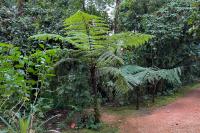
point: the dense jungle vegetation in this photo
(62, 60)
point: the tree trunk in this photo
(34, 2)
(20, 5)
(154, 91)
(83, 5)
(116, 17)
(153, 95)
(145, 8)
(137, 99)
(94, 88)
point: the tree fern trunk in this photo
(94, 88)
(137, 99)
(153, 95)
(154, 91)
(160, 86)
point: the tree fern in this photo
(89, 34)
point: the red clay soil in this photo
(182, 116)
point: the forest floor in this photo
(179, 116)
(177, 113)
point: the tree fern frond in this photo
(6, 45)
(118, 78)
(65, 66)
(132, 69)
(65, 61)
(143, 75)
(47, 37)
(109, 59)
(129, 39)
(85, 30)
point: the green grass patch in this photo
(148, 105)
(103, 129)
(164, 100)
(121, 111)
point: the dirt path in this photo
(182, 116)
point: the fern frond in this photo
(66, 66)
(87, 31)
(65, 61)
(109, 59)
(129, 39)
(47, 37)
(6, 45)
(132, 69)
(143, 75)
(118, 78)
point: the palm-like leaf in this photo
(87, 31)
(46, 37)
(109, 59)
(129, 39)
(120, 81)
(143, 75)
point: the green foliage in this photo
(46, 37)
(138, 76)
(41, 16)
(130, 39)
(24, 124)
(12, 76)
(15, 122)
(73, 66)
(128, 78)
(121, 84)
(194, 21)
(131, 12)
(168, 22)
(72, 89)
(18, 86)
(172, 46)
(109, 59)
(18, 122)
(89, 34)
(104, 128)
(39, 72)
(86, 31)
